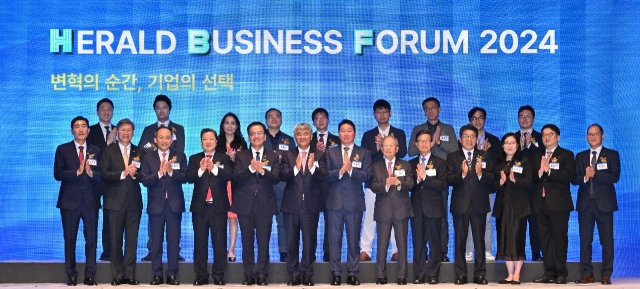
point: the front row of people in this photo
(404, 190)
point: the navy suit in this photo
(148, 134)
(470, 203)
(123, 201)
(535, 148)
(165, 205)
(345, 204)
(392, 209)
(330, 140)
(426, 199)
(597, 208)
(301, 206)
(284, 144)
(369, 142)
(210, 216)
(78, 199)
(254, 200)
(553, 210)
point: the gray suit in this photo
(441, 151)
(393, 208)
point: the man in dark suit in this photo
(529, 140)
(76, 167)
(553, 204)
(279, 142)
(372, 141)
(209, 172)
(597, 170)
(301, 205)
(347, 167)
(255, 172)
(120, 172)
(443, 142)
(470, 172)
(163, 173)
(322, 140)
(392, 178)
(426, 200)
(102, 135)
(162, 106)
(490, 144)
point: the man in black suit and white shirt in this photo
(553, 204)
(597, 172)
(426, 199)
(470, 172)
(255, 172)
(209, 172)
(531, 147)
(322, 140)
(120, 172)
(102, 135)
(301, 205)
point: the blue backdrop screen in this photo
(574, 61)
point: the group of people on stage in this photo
(296, 178)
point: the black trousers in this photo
(553, 227)
(426, 229)
(124, 223)
(306, 223)
(208, 222)
(255, 227)
(461, 227)
(70, 224)
(401, 229)
(587, 220)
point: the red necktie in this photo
(81, 155)
(209, 197)
(548, 156)
(389, 170)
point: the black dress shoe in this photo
(419, 280)
(261, 281)
(433, 280)
(283, 257)
(325, 258)
(480, 280)
(308, 282)
(90, 281)
(220, 281)
(72, 281)
(514, 282)
(146, 258)
(545, 279)
(201, 281)
(157, 280)
(504, 281)
(248, 281)
(382, 281)
(295, 281)
(461, 280)
(105, 257)
(445, 259)
(336, 280)
(353, 280)
(172, 280)
(116, 282)
(561, 280)
(130, 281)
(402, 281)
(180, 258)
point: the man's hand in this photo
(465, 168)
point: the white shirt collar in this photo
(168, 152)
(597, 150)
(384, 132)
(166, 123)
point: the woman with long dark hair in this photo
(512, 206)
(230, 142)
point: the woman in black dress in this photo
(512, 206)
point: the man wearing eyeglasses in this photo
(279, 142)
(529, 140)
(255, 171)
(553, 204)
(491, 145)
(597, 170)
(443, 142)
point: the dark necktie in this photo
(257, 159)
(594, 160)
(469, 160)
(106, 128)
(321, 140)
(209, 198)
